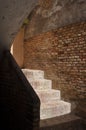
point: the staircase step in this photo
(51, 103)
(33, 74)
(48, 95)
(41, 84)
(54, 109)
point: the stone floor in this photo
(65, 122)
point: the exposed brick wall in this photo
(61, 54)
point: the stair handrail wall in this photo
(19, 104)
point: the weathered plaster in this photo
(51, 14)
(12, 15)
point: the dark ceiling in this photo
(12, 15)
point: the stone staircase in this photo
(51, 103)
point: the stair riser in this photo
(41, 84)
(46, 96)
(54, 112)
(33, 74)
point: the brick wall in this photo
(61, 53)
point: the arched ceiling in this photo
(51, 14)
(46, 15)
(12, 15)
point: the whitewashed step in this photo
(54, 109)
(41, 84)
(51, 103)
(48, 95)
(33, 74)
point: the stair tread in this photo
(54, 104)
(48, 91)
(31, 70)
(40, 80)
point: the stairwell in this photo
(51, 103)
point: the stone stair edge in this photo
(37, 79)
(33, 70)
(57, 101)
(50, 90)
